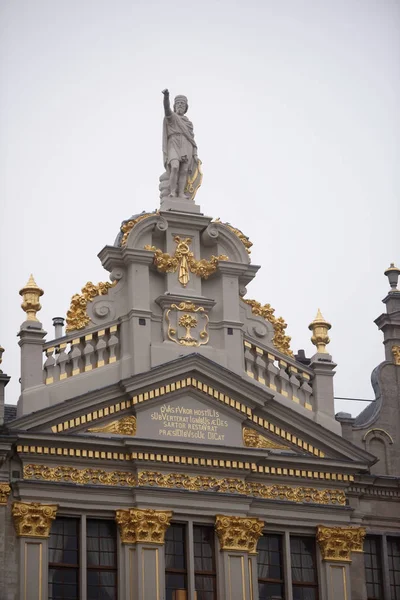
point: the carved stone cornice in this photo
(5, 490)
(238, 533)
(337, 543)
(32, 519)
(143, 526)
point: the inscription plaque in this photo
(189, 420)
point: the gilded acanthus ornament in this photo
(79, 476)
(337, 543)
(127, 226)
(32, 519)
(124, 426)
(243, 238)
(280, 340)
(143, 526)
(77, 317)
(233, 485)
(238, 533)
(320, 328)
(182, 481)
(396, 354)
(253, 439)
(188, 321)
(30, 294)
(184, 262)
(5, 491)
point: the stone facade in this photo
(174, 403)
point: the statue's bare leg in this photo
(183, 175)
(173, 178)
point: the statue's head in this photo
(181, 105)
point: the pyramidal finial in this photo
(31, 293)
(320, 328)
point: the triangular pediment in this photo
(191, 389)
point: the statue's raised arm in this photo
(183, 175)
(167, 105)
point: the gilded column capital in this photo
(337, 543)
(238, 533)
(32, 519)
(5, 490)
(143, 526)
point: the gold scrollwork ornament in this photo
(396, 355)
(184, 262)
(238, 533)
(337, 543)
(253, 439)
(33, 519)
(5, 490)
(124, 426)
(189, 322)
(143, 526)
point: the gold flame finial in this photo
(320, 328)
(30, 294)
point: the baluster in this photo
(49, 366)
(295, 383)
(101, 348)
(112, 344)
(259, 366)
(88, 352)
(75, 355)
(283, 379)
(62, 360)
(272, 372)
(306, 390)
(248, 359)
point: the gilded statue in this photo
(182, 175)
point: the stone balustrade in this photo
(278, 374)
(74, 354)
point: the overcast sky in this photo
(295, 106)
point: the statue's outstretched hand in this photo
(165, 92)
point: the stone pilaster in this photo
(31, 337)
(238, 537)
(337, 545)
(142, 533)
(32, 523)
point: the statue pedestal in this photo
(179, 205)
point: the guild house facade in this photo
(169, 445)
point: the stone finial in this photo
(238, 533)
(31, 294)
(1, 356)
(392, 273)
(143, 526)
(32, 519)
(337, 543)
(320, 328)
